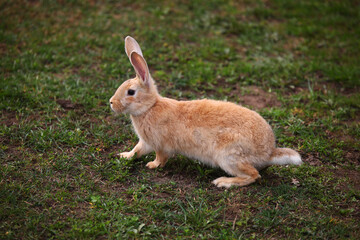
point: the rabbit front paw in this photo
(127, 155)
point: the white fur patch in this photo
(287, 159)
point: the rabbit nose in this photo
(111, 103)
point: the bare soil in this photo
(258, 99)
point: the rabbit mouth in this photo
(116, 106)
(117, 110)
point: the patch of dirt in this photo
(353, 122)
(312, 159)
(239, 49)
(293, 43)
(68, 105)
(353, 156)
(258, 98)
(9, 118)
(352, 178)
(337, 87)
(184, 181)
(3, 48)
(324, 87)
(351, 151)
(268, 178)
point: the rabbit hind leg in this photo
(245, 175)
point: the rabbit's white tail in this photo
(284, 156)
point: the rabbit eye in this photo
(131, 92)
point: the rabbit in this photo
(217, 133)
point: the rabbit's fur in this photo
(220, 134)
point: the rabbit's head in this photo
(135, 96)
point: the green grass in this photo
(296, 63)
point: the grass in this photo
(296, 63)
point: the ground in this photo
(296, 63)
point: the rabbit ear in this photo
(140, 66)
(131, 45)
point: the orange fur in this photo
(220, 134)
